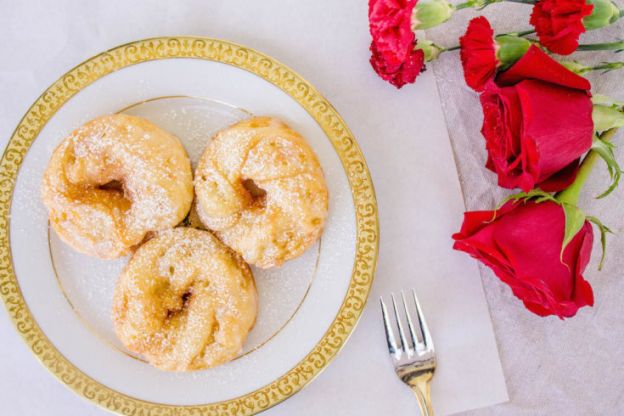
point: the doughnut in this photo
(260, 188)
(185, 301)
(114, 180)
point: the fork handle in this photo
(420, 387)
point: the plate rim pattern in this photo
(273, 71)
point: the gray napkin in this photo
(551, 366)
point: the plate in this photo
(60, 300)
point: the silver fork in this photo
(414, 360)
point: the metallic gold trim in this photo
(165, 97)
(367, 223)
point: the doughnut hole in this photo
(115, 187)
(258, 195)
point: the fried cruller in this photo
(185, 301)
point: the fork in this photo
(414, 361)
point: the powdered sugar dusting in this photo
(193, 120)
(112, 181)
(89, 283)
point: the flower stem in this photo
(572, 193)
(482, 4)
(579, 68)
(523, 33)
(465, 5)
(607, 66)
(614, 46)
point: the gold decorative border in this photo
(306, 95)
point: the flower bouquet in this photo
(543, 127)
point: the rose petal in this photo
(535, 64)
(558, 121)
(560, 180)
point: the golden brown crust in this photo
(260, 188)
(112, 181)
(185, 301)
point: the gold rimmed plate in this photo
(60, 300)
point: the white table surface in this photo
(402, 134)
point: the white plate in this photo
(60, 300)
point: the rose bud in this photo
(393, 55)
(521, 242)
(604, 14)
(482, 53)
(430, 13)
(559, 23)
(537, 123)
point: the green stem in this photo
(614, 46)
(524, 32)
(572, 193)
(581, 69)
(481, 4)
(465, 5)
(607, 66)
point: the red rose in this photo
(393, 55)
(521, 243)
(537, 123)
(559, 23)
(478, 53)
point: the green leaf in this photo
(574, 220)
(607, 101)
(606, 117)
(605, 151)
(603, 237)
(537, 194)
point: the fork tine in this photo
(404, 344)
(423, 324)
(410, 325)
(390, 338)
